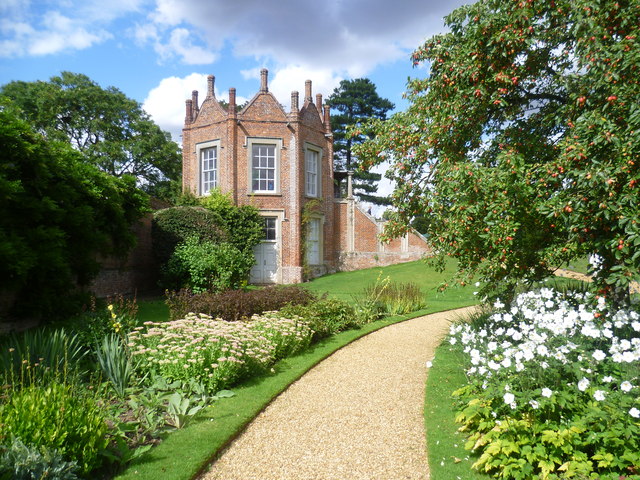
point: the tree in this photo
(356, 101)
(57, 214)
(111, 131)
(522, 144)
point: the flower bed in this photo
(214, 352)
(554, 388)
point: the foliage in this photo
(356, 101)
(54, 352)
(242, 224)
(57, 416)
(115, 362)
(172, 226)
(235, 305)
(213, 219)
(57, 214)
(111, 131)
(395, 298)
(521, 145)
(324, 316)
(21, 462)
(218, 353)
(204, 266)
(554, 388)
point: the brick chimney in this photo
(188, 117)
(194, 103)
(210, 86)
(307, 91)
(264, 80)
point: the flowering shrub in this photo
(215, 352)
(554, 388)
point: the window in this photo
(264, 165)
(269, 229)
(206, 161)
(263, 168)
(314, 231)
(208, 169)
(311, 162)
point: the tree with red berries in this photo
(522, 145)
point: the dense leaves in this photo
(57, 213)
(111, 130)
(523, 143)
(356, 101)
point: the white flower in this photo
(599, 395)
(583, 384)
(634, 412)
(599, 355)
(546, 392)
(509, 398)
(626, 386)
(498, 304)
(607, 379)
(534, 404)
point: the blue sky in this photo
(157, 51)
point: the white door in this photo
(266, 267)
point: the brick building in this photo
(282, 163)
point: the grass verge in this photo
(448, 459)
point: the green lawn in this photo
(345, 285)
(185, 453)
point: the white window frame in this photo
(319, 221)
(276, 143)
(312, 183)
(201, 148)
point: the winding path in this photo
(358, 415)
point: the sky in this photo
(158, 51)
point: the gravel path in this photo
(355, 416)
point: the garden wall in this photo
(359, 243)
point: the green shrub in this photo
(325, 316)
(234, 305)
(204, 266)
(243, 224)
(21, 462)
(60, 417)
(56, 215)
(172, 226)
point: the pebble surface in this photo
(358, 415)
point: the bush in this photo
(326, 316)
(60, 417)
(234, 305)
(554, 388)
(243, 224)
(115, 362)
(21, 462)
(57, 215)
(172, 226)
(205, 266)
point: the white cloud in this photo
(292, 78)
(166, 102)
(181, 44)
